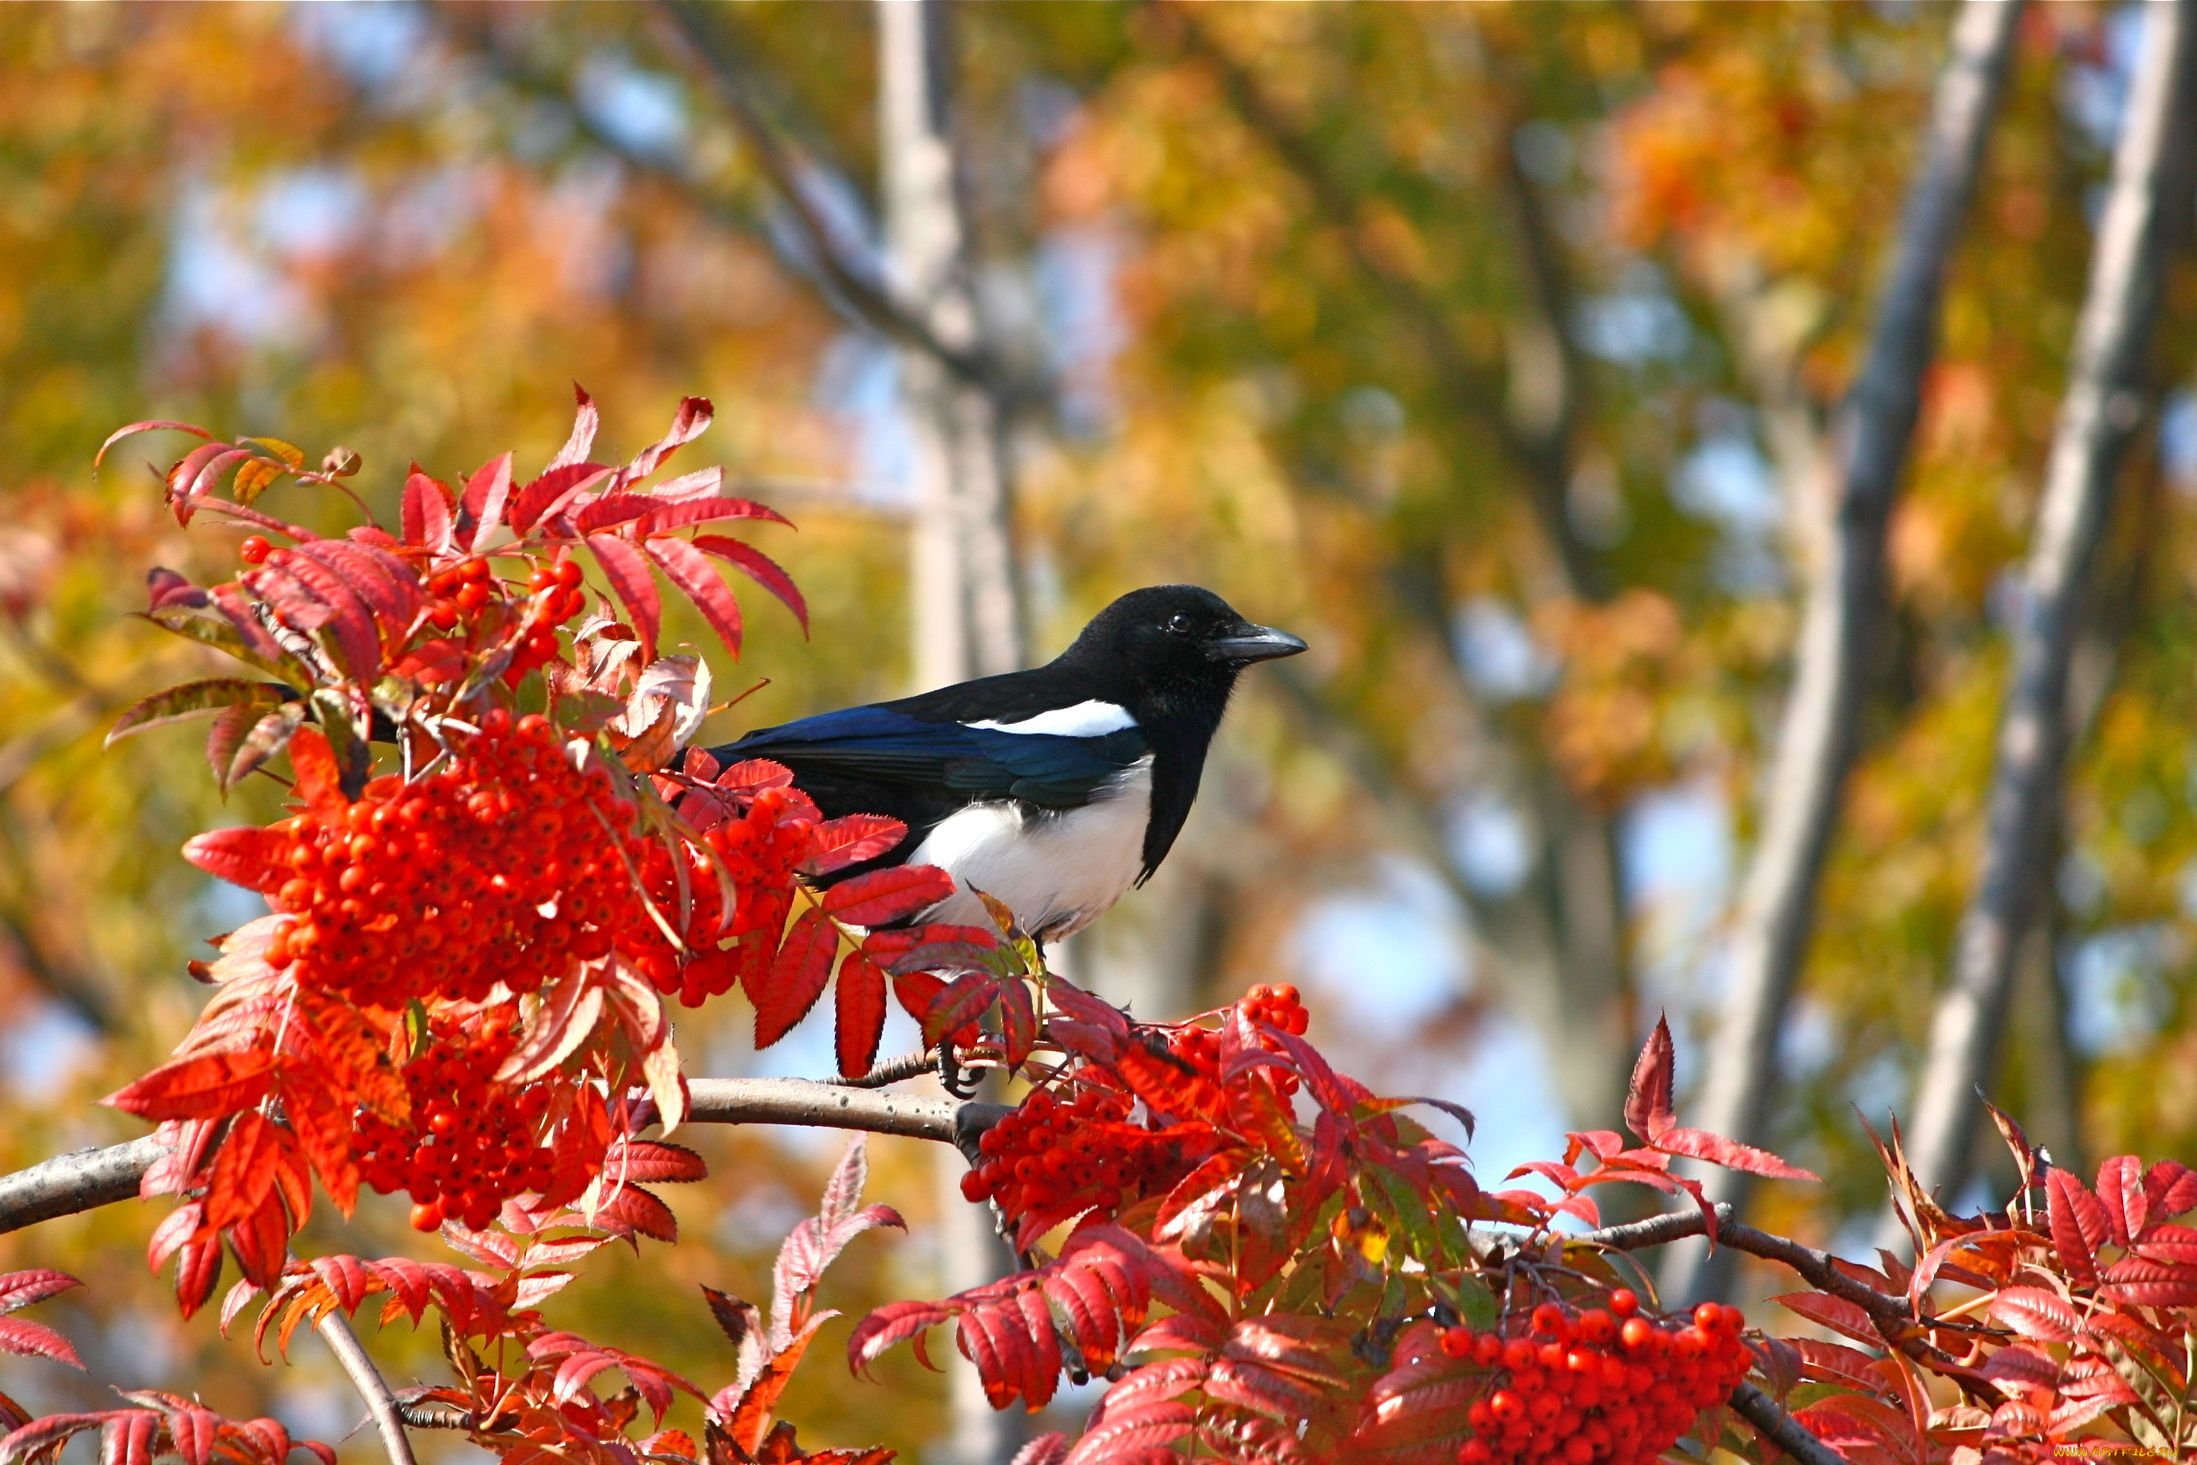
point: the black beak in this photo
(1248, 643)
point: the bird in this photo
(1055, 789)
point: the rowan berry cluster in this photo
(463, 592)
(472, 1142)
(1053, 1159)
(499, 869)
(1274, 1006)
(1277, 1007)
(1606, 1386)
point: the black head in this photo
(1173, 640)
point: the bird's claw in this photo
(961, 1083)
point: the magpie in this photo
(1054, 789)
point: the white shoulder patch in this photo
(1084, 720)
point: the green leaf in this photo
(195, 699)
(208, 627)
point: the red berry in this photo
(254, 550)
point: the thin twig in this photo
(335, 1331)
(1891, 1314)
(1780, 1428)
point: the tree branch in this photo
(1819, 1268)
(868, 293)
(1780, 1428)
(335, 1330)
(1471, 389)
(2144, 208)
(1820, 731)
(88, 1179)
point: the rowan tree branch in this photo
(88, 1179)
(1819, 1268)
(335, 1330)
(1819, 734)
(2145, 205)
(1780, 1428)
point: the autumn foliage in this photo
(502, 863)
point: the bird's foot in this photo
(960, 1082)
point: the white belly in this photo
(1056, 872)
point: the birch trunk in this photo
(2098, 417)
(1819, 734)
(963, 579)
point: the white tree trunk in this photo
(1840, 633)
(2098, 417)
(964, 577)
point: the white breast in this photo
(1056, 872)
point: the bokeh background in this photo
(1497, 350)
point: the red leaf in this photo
(209, 1086)
(548, 495)
(2142, 1282)
(860, 999)
(21, 1289)
(585, 420)
(760, 568)
(797, 977)
(1835, 1313)
(36, 1340)
(954, 1012)
(663, 516)
(324, 1126)
(888, 895)
(2170, 1188)
(627, 571)
(252, 858)
(2037, 1313)
(1699, 1144)
(425, 519)
(1648, 1102)
(486, 494)
(244, 1170)
(2079, 1226)
(688, 423)
(849, 840)
(319, 779)
(690, 570)
(2121, 1191)
(151, 424)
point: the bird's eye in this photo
(1179, 623)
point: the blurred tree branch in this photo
(848, 267)
(1579, 995)
(2145, 216)
(1819, 734)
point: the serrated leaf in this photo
(859, 1009)
(691, 570)
(797, 976)
(196, 699)
(210, 1086)
(891, 894)
(760, 568)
